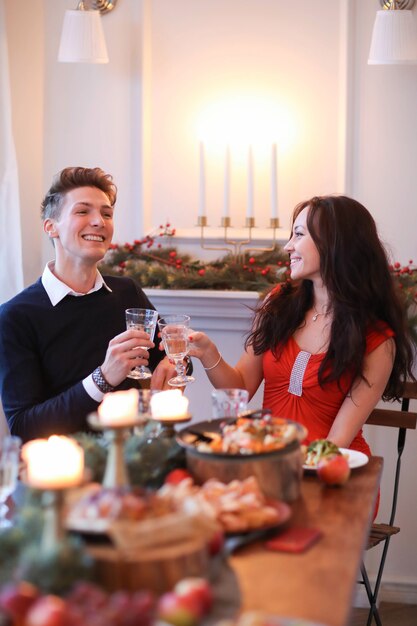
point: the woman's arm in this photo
(364, 395)
(247, 374)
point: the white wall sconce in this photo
(394, 37)
(82, 38)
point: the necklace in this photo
(316, 314)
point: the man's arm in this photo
(29, 411)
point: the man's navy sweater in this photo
(46, 351)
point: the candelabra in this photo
(115, 474)
(166, 425)
(237, 248)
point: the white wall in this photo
(384, 139)
(202, 54)
(137, 118)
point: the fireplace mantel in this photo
(209, 309)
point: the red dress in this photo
(316, 408)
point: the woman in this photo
(334, 340)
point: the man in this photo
(63, 340)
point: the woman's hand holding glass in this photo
(175, 338)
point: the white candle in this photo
(170, 404)
(119, 408)
(226, 183)
(202, 188)
(249, 208)
(274, 201)
(53, 463)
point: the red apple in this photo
(17, 598)
(178, 610)
(48, 610)
(198, 588)
(216, 543)
(5, 618)
(176, 476)
(334, 470)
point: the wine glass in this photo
(141, 319)
(229, 402)
(9, 469)
(175, 338)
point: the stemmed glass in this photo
(175, 338)
(141, 319)
(9, 469)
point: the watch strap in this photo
(101, 382)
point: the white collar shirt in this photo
(57, 290)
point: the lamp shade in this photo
(82, 38)
(394, 38)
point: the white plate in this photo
(354, 457)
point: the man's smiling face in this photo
(84, 229)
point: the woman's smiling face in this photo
(304, 255)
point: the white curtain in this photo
(11, 267)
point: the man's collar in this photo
(57, 290)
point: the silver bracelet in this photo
(215, 365)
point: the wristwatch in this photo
(101, 382)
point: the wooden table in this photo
(319, 584)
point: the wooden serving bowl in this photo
(278, 472)
(157, 570)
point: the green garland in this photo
(155, 263)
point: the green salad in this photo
(319, 449)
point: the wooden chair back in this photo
(403, 420)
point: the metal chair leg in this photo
(373, 612)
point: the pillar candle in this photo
(119, 408)
(249, 207)
(55, 463)
(202, 187)
(274, 199)
(226, 183)
(169, 404)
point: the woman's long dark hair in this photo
(355, 270)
